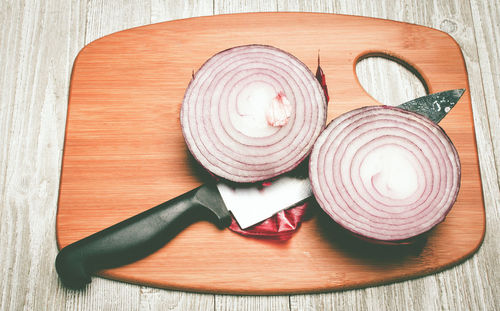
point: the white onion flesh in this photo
(385, 173)
(252, 112)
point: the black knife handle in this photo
(139, 236)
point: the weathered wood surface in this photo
(38, 43)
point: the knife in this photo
(141, 235)
(435, 106)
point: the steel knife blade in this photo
(251, 205)
(434, 106)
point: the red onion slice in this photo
(252, 112)
(385, 173)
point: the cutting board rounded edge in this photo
(85, 50)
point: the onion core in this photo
(279, 110)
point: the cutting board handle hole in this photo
(389, 79)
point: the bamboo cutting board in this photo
(124, 152)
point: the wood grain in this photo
(124, 148)
(56, 31)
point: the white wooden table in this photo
(38, 44)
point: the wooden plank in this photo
(161, 299)
(487, 31)
(306, 6)
(162, 11)
(34, 81)
(264, 303)
(229, 7)
(134, 147)
(105, 17)
(487, 34)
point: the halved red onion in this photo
(385, 173)
(252, 112)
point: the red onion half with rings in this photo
(252, 112)
(384, 173)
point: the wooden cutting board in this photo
(124, 152)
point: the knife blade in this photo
(434, 106)
(142, 234)
(251, 205)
